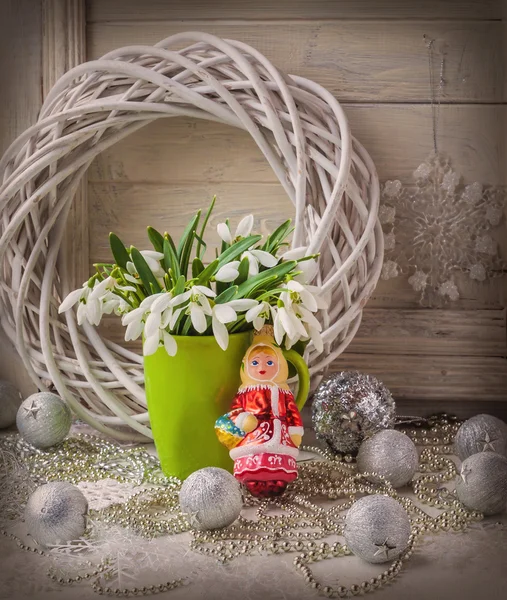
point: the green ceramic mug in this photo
(186, 394)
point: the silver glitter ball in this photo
(377, 528)
(56, 513)
(482, 483)
(389, 453)
(211, 498)
(348, 407)
(10, 399)
(482, 433)
(44, 420)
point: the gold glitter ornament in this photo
(43, 420)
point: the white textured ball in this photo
(56, 513)
(44, 420)
(10, 399)
(211, 498)
(389, 453)
(482, 433)
(482, 483)
(377, 529)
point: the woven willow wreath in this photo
(298, 125)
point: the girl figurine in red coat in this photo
(263, 429)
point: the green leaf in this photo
(205, 223)
(208, 273)
(237, 249)
(273, 274)
(179, 288)
(170, 257)
(227, 295)
(244, 265)
(278, 235)
(145, 273)
(200, 244)
(120, 253)
(186, 326)
(221, 287)
(156, 239)
(186, 243)
(197, 267)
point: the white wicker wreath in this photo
(298, 125)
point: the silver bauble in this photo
(377, 528)
(10, 399)
(349, 406)
(44, 420)
(389, 453)
(56, 513)
(482, 433)
(482, 483)
(211, 498)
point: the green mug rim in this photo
(209, 337)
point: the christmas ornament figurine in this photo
(263, 429)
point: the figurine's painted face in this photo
(263, 366)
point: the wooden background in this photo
(372, 56)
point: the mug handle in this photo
(303, 376)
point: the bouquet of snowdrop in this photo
(169, 291)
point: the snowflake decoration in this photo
(439, 229)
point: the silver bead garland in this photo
(301, 529)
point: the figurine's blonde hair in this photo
(266, 350)
(263, 342)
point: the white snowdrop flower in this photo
(256, 257)
(258, 315)
(198, 305)
(227, 313)
(152, 259)
(160, 336)
(89, 308)
(228, 272)
(135, 319)
(244, 229)
(304, 295)
(309, 268)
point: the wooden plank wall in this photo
(21, 71)
(372, 56)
